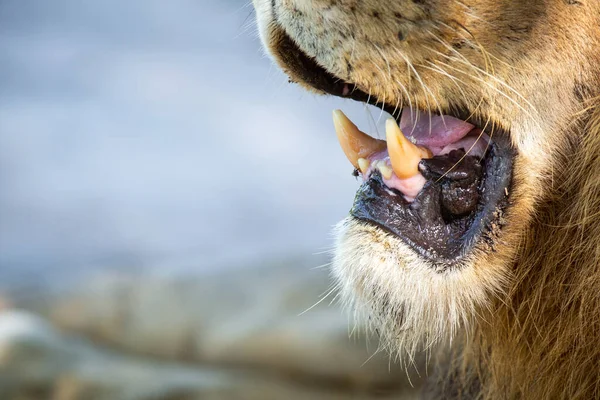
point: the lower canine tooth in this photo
(363, 165)
(385, 170)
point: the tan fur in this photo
(523, 313)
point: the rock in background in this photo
(240, 334)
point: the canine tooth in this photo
(363, 165)
(385, 170)
(404, 155)
(355, 144)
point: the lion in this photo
(475, 234)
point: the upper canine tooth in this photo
(355, 144)
(404, 155)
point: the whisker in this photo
(500, 92)
(336, 287)
(466, 62)
(322, 266)
(426, 89)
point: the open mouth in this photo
(440, 183)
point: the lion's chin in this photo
(411, 306)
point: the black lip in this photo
(421, 224)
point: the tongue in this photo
(433, 131)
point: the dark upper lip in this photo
(303, 68)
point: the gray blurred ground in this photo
(163, 191)
(245, 334)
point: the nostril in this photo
(402, 35)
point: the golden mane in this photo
(541, 339)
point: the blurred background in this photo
(166, 205)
